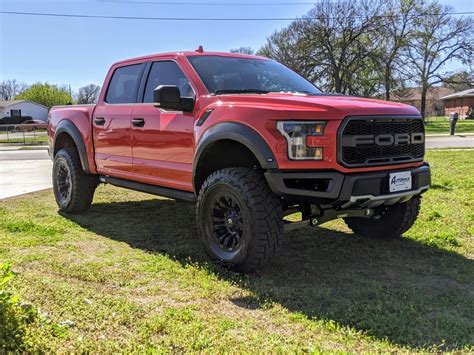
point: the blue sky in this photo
(78, 51)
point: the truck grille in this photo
(371, 141)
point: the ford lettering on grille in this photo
(383, 139)
(371, 141)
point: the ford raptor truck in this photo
(248, 140)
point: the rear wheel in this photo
(73, 188)
(239, 219)
(389, 222)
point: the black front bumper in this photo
(345, 190)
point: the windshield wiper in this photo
(241, 91)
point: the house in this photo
(434, 105)
(459, 102)
(19, 108)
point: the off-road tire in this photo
(390, 221)
(261, 212)
(80, 192)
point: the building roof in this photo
(414, 94)
(10, 103)
(457, 95)
(4, 104)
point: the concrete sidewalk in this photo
(4, 147)
(24, 171)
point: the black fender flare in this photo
(66, 126)
(240, 133)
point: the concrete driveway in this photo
(24, 171)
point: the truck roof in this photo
(189, 53)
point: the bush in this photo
(13, 316)
(470, 113)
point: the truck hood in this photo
(337, 106)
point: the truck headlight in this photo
(297, 133)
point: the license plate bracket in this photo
(400, 181)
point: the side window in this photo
(124, 84)
(166, 73)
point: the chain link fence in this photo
(35, 133)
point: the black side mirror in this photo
(168, 97)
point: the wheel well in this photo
(63, 140)
(223, 154)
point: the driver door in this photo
(162, 141)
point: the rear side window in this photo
(166, 73)
(124, 84)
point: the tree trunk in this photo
(387, 83)
(338, 84)
(424, 91)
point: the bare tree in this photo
(10, 89)
(439, 39)
(88, 94)
(397, 26)
(333, 46)
(243, 50)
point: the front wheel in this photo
(389, 222)
(73, 188)
(239, 220)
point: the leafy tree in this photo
(46, 94)
(287, 47)
(9, 89)
(438, 39)
(88, 94)
(460, 81)
(243, 50)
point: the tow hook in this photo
(329, 215)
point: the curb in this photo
(10, 148)
(448, 135)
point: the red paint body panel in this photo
(113, 140)
(163, 149)
(162, 152)
(81, 117)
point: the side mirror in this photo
(168, 97)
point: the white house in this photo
(17, 108)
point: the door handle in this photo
(99, 121)
(138, 122)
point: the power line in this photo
(208, 3)
(197, 18)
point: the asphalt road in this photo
(24, 171)
(458, 141)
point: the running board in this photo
(150, 189)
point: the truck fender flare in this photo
(66, 126)
(240, 133)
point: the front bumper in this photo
(345, 190)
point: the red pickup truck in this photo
(251, 142)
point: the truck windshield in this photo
(232, 75)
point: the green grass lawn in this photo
(39, 139)
(437, 125)
(130, 275)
